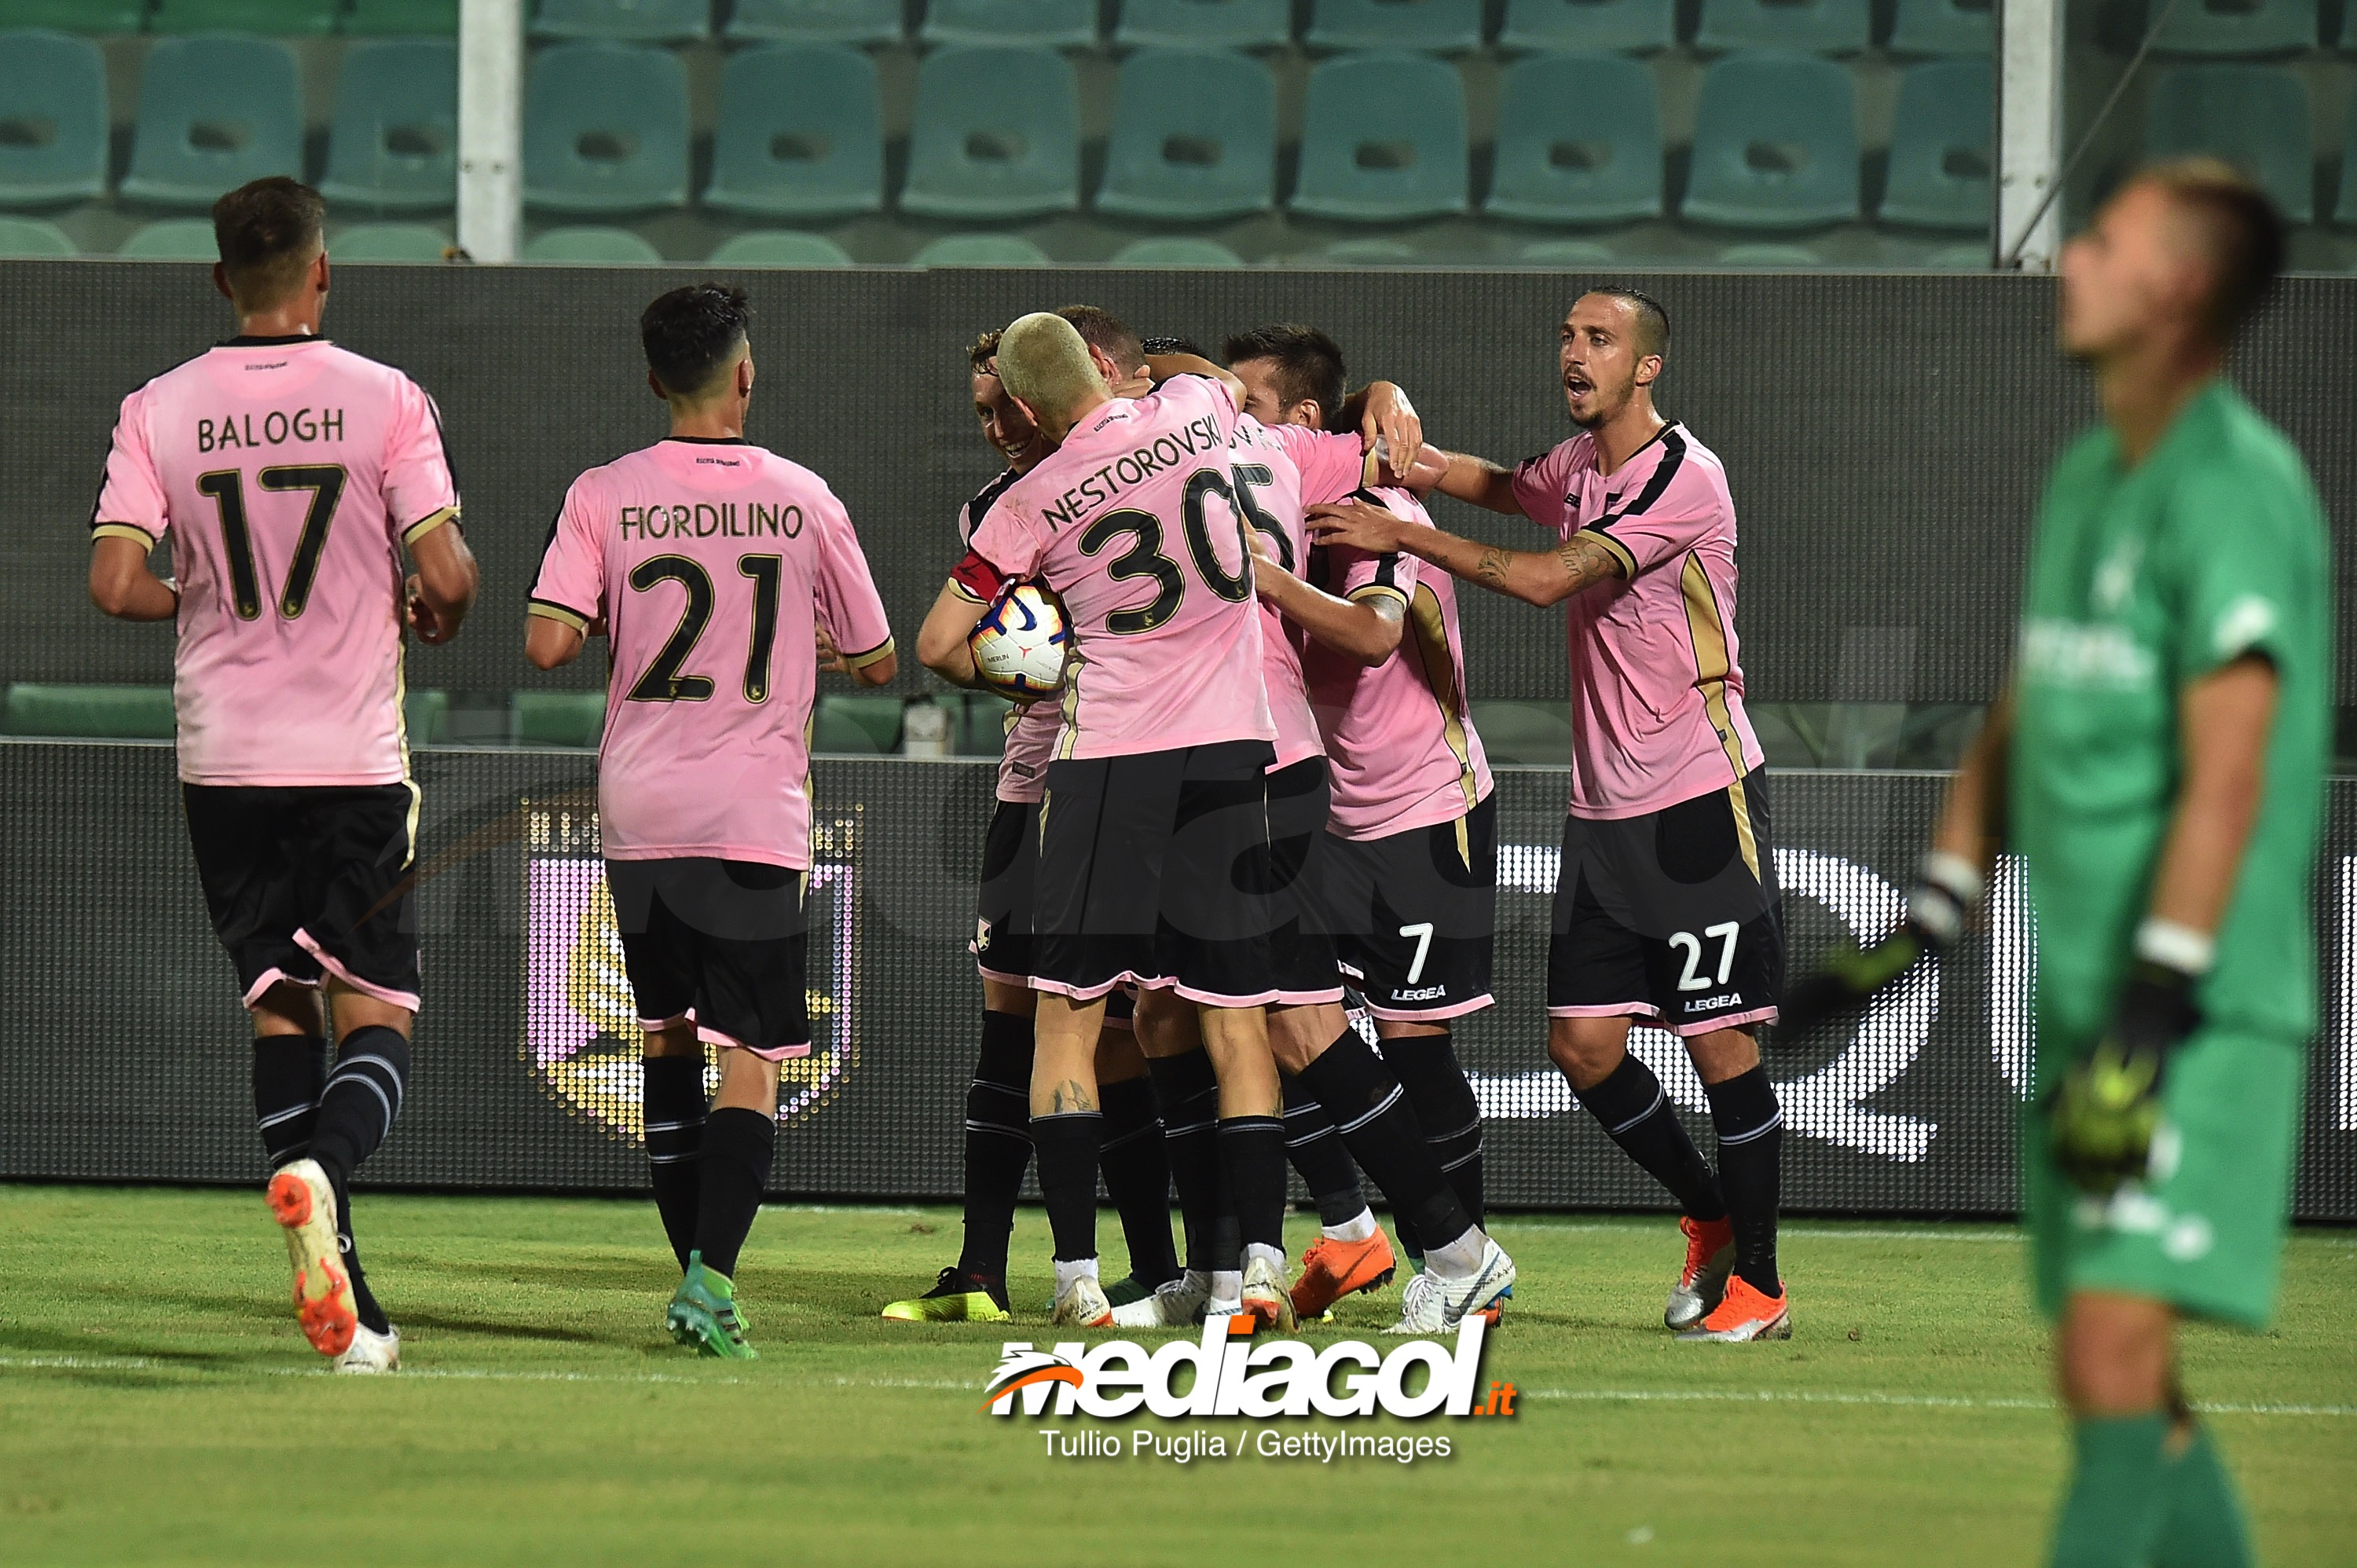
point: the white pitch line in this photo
(1922, 1401)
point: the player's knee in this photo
(2113, 1355)
(358, 1010)
(673, 1040)
(286, 1008)
(1118, 1057)
(1294, 1037)
(1586, 1050)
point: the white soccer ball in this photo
(1021, 643)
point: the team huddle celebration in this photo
(1240, 884)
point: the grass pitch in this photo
(158, 1405)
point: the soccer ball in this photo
(1020, 642)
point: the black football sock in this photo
(1317, 1152)
(1635, 1112)
(1137, 1176)
(359, 1101)
(289, 1072)
(738, 1144)
(997, 1142)
(1426, 1067)
(364, 1303)
(1066, 1145)
(673, 1105)
(1370, 1108)
(1750, 1124)
(1187, 1090)
(1252, 1164)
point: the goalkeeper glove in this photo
(2101, 1117)
(1945, 896)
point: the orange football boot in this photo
(1744, 1314)
(1331, 1270)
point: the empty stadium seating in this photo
(996, 135)
(1441, 25)
(800, 134)
(780, 248)
(1382, 139)
(1775, 144)
(1940, 152)
(1194, 136)
(389, 243)
(817, 21)
(1204, 24)
(215, 110)
(1579, 141)
(1579, 25)
(53, 90)
(2253, 116)
(605, 129)
(394, 145)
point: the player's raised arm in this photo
(1469, 479)
(1162, 367)
(1534, 577)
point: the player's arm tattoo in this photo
(1587, 562)
(1068, 1098)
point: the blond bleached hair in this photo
(1044, 361)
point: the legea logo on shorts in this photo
(1233, 1374)
(581, 1033)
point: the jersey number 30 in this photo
(663, 681)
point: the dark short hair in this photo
(1653, 317)
(979, 353)
(267, 231)
(2243, 234)
(1309, 363)
(692, 333)
(1108, 334)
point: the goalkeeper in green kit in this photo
(2158, 763)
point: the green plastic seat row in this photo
(144, 713)
(286, 17)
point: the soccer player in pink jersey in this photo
(1666, 904)
(997, 1114)
(1387, 710)
(710, 563)
(289, 475)
(1157, 796)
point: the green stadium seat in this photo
(1579, 141)
(91, 712)
(2253, 116)
(800, 134)
(1194, 137)
(592, 244)
(862, 726)
(2218, 27)
(982, 250)
(815, 21)
(1775, 144)
(1050, 24)
(557, 718)
(75, 16)
(395, 145)
(1758, 254)
(1570, 253)
(981, 731)
(425, 716)
(996, 135)
(1524, 732)
(1581, 25)
(285, 18)
(1945, 27)
(1382, 139)
(1177, 252)
(215, 110)
(53, 101)
(174, 239)
(780, 248)
(2344, 205)
(33, 238)
(1204, 24)
(624, 21)
(401, 19)
(1940, 151)
(1811, 26)
(1440, 25)
(389, 243)
(1371, 253)
(1960, 258)
(605, 129)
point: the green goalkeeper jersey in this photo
(2141, 582)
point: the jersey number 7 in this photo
(227, 487)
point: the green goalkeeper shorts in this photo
(2204, 1232)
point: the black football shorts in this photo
(720, 943)
(307, 881)
(1414, 915)
(1674, 915)
(1150, 872)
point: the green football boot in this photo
(703, 1314)
(956, 1297)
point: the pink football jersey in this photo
(287, 473)
(1401, 749)
(1032, 727)
(1656, 691)
(710, 562)
(1134, 523)
(1279, 471)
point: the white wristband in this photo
(2175, 946)
(1953, 875)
